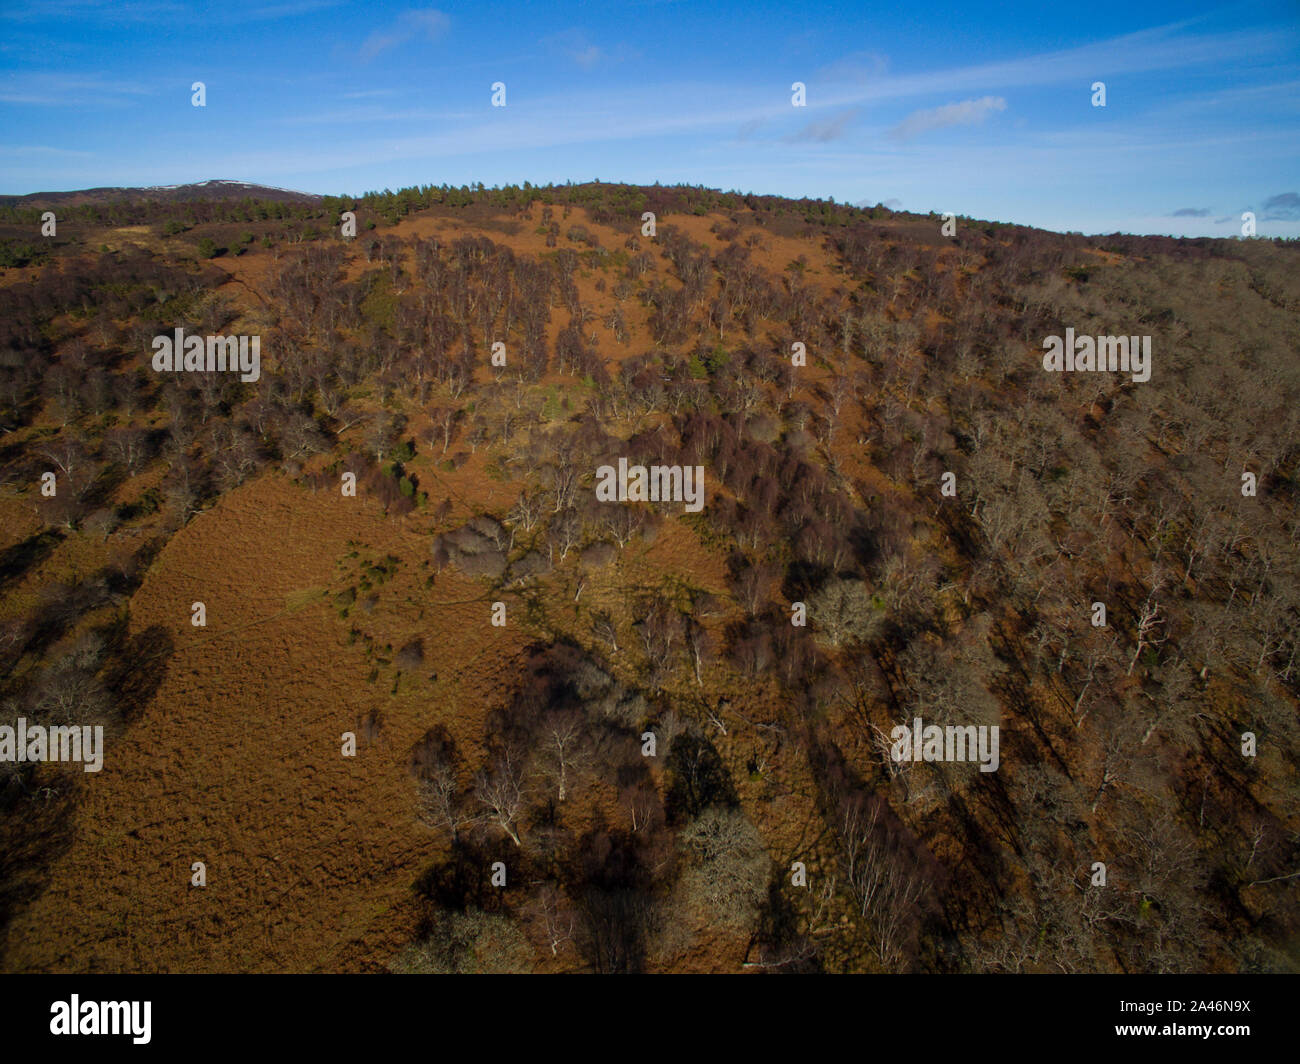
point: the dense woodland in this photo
(1121, 744)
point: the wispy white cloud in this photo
(575, 46)
(855, 68)
(431, 24)
(736, 107)
(370, 114)
(133, 11)
(1161, 48)
(825, 130)
(47, 89)
(113, 11)
(290, 9)
(27, 150)
(965, 113)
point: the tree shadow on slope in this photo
(36, 828)
(137, 668)
(18, 560)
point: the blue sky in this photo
(939, 106)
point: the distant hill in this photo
(201, 190)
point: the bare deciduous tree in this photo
(501, 793)
(1149, 620)
(562, 748)
(441, 803)
(604, 628)
(884, 877)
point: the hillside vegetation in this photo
(612, 705)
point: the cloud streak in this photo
(1145, 52)
(55, 90)
(829, 129)
(856, 68)
(965, 113)
(430, 24)
(1284, 207)
(574, 46)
